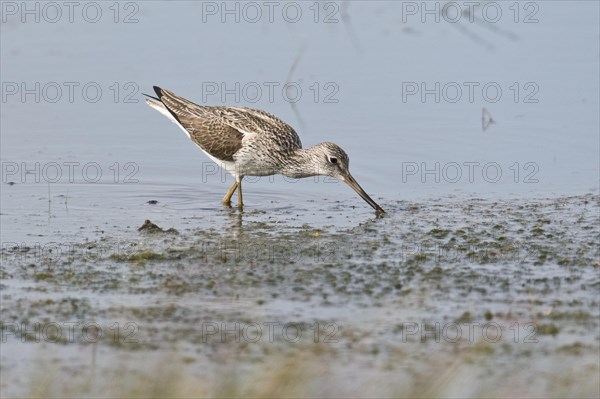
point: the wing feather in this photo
(205, 129)
(221, 131)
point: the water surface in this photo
(486, 224)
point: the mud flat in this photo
(451, 297)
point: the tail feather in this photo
(160, 107)
(158, 91)
(152, 97)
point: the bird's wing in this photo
(251, 121)
(206, 129)
(223, 129)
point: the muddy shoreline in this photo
(476, 284)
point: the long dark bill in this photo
(356, 187)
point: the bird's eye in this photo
(333, 160)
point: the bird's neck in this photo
(301, 163)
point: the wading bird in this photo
(251, 142)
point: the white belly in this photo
(228, 166)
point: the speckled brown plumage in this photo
(221, 130)
(251, 142)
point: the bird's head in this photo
(330, 160)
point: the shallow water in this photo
(501, 289)
(483, 225)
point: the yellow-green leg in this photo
(240, 200)
(227, 197)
